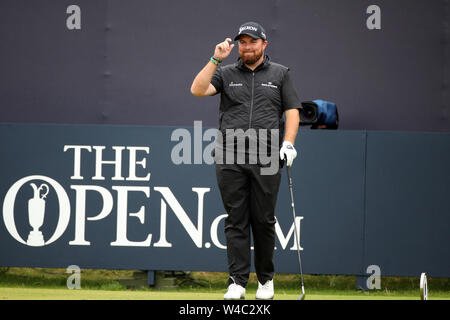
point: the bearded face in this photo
(251, 50)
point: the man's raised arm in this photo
(201, 86)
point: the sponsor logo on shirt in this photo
(232, 84)
(269, 84)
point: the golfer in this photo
(255, 94)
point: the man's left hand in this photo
(288, 152)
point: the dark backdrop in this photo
(132, 62)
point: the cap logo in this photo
(248, 28)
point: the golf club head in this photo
(303, 295)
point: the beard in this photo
(250, 58)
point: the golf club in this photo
(288, 169)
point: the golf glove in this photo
(288, 152)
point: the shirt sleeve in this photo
(289, 94)
(217, 80)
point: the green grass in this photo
(50, 284)
(57, 278)
(86, 294)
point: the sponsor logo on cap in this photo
(252, 28)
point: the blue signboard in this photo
(136, 197)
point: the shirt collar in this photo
(242, 66)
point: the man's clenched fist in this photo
(223, 49)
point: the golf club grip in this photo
(289, 175)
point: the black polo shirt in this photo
(254, 99)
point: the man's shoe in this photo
(235, 292)
(265, 291)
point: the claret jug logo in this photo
(36, 209)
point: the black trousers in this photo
(249, 199)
